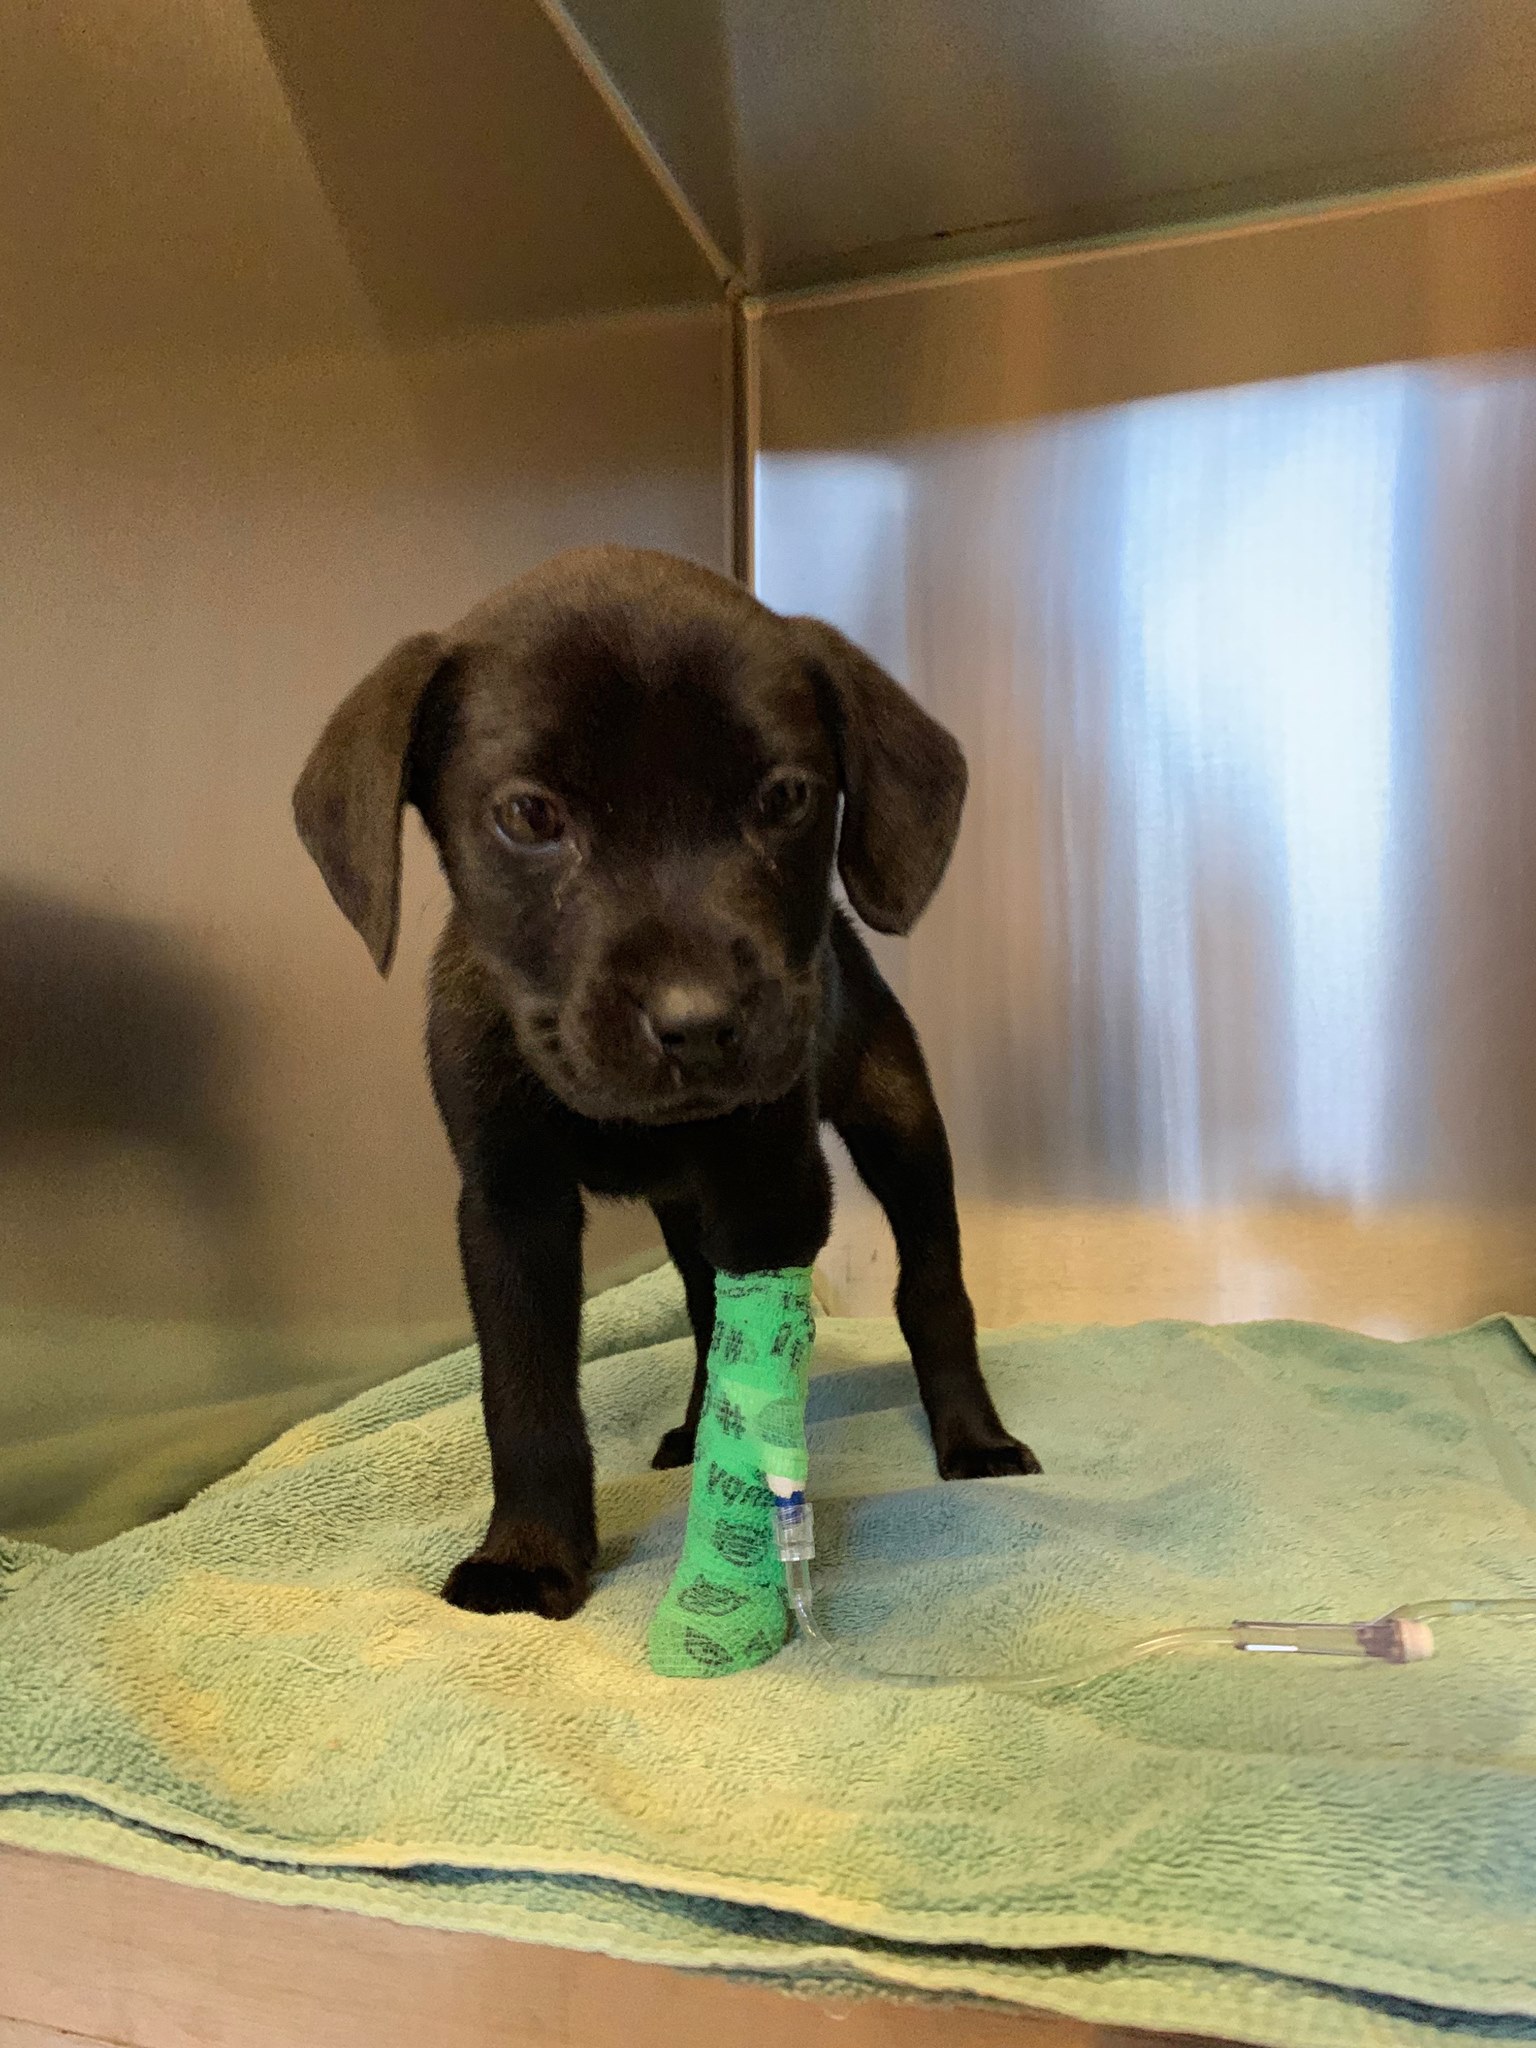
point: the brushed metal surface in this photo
(211, 177)
(243, 446)
(474, 174)
(1405, 278)
(823, 139)
(1228, 993)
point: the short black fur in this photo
(639, 780)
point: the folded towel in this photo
(263, 1693)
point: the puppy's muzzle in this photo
(698, 1030)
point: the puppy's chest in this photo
(643, 1165)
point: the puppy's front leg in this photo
(889, 1121)
(521, 1248)
(765, 1196)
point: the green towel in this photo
(263, 1694)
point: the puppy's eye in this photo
(526, 817)
(783, 801)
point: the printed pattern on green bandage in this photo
(725, 1610)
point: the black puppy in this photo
(631, 770)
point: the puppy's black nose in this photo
(695, 1026)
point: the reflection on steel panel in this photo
(1244, 911)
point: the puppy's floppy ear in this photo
(348, 801)
(903, 778)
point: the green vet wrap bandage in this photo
(725, 1609)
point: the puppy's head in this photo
(638, 779)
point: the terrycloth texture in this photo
(263, 1694)
(725, 1608)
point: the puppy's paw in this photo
(531, 1572)
(675, 1448)
(1004, 1458)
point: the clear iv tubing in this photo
(1405, 1636)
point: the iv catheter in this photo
(1405, 1636)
